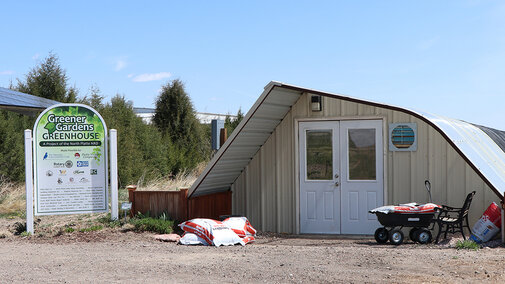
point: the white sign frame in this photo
(105, 166)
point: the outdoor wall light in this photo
(316, 103)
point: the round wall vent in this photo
(402, 137)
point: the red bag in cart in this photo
(488, 225)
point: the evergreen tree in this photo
(141, 149)
(12, 126)
(48, 80)
(94, 99)
(176, 119)
(174, 114)
(231, 124)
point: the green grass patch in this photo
(467, 244)
(155, 225)
(25, 234)
(69, 230)
(91, 229)
(13, 215)
(108, 222)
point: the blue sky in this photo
(444, 57)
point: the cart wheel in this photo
(423, 236)
(412, 234)
(381, 235)
(396, 237)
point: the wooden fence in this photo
(177, 206)
(210, 206)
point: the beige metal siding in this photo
(268, 184)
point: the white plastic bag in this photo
(212, 232)
(192, 239)
(241, 226)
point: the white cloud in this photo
(130, 75)
(6, 72)
(151, 77)
(120, 64)
(36, 56)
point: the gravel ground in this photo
(112, 255)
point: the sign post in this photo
(126, 206)
(29, 180)
(114, 212)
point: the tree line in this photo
(176, 141)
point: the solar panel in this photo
(23, 103)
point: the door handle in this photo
(336, 175)
(337, 184)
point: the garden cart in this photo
(420, 217)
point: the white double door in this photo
(341, 176)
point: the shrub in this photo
(19, 228)
(467, 244)
(108, 222)
(155, 225)
(12, 126)
(141, 149)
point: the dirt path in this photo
(112, 256)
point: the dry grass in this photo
(182, 180)
(12, 197)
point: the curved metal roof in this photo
(23, 103)
(482, 152)
(498, 136)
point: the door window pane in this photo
(362, 154)
(319, 154)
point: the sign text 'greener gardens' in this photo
(70, 161)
